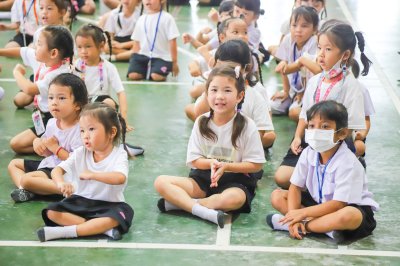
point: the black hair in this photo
(109, 118)
(330, 110)
(76, 85)
(226, 6)
(239, 52)
(239, 122)
(355, 68)
(309, 14)
(251, 5)
(72, 7)
(97, 33)
(324, 13)
(343, 36)
(60, 38)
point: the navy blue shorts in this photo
(19, 38)
(32, 166)
(138, 63)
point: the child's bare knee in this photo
(157, 77)
(160, 182)
(276, 198)
(53, 215)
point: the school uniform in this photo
(344, 180)
(287, 51)
(94, 199)
(254, 36)
(26, 13)
(249, 150)
(153, 32)
(122, 27)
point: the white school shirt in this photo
(254, 36)
(45, 76)
(167, 31)
(127, 23)
(369, 108)
(31, 22)
(249, 149)
(264, 93)
(255, 107)
(347, 92)
(82, 160)
(91, 76)
(345, 178)
(286, 51)
(69, 139)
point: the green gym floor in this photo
(156, 111)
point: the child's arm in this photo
(124, 108)
(54, 147)
(57, 175)
(110, 178)
(40, 148)
(23, 83)
(298, 135)
(9, 26)
(136, 47)
(174, 55)
(310, 64)
(6, 5)
(362, 134)
(11, 52)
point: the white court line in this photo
(186, 52)
(378, 68)
(154, 83)
(236, 248)
(86, 20)
(224, 234)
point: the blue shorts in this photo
(138, 63)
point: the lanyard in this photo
(33, 2)
(321, 182)
(101, 72)
(317, 93)
(296, 74)
(40, 77)
(155, 34)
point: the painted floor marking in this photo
(224, 234)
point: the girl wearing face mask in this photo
(328, 192)
(336, 45)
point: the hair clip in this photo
(237, 71)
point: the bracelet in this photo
(58, 150)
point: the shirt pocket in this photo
(329, 187)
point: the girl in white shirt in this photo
(328, 192)
(94, 202)
(224, 152)
(67, 97)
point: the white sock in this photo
(113, 233)
(59, 232)
(205, 213)
(277, 225)
(330, 234)
(171, 207)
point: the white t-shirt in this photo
(288, 52)
(368, 105)
(264, 93)
(91, 76)
(346, 92)
(127, 23)
(344, 180)
(82, 160)
(69, 139)
(254, 36)
(31, 22)
(250, 148)
(145, 31)
(255, 107)
(45, 77)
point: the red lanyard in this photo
(101, 72)
(317, 94)
(33, 3)
(37, 76)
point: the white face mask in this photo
(335, 70)
(320, 140)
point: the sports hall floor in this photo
(156, 111)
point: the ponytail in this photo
(205, 130)
(238, 125)
(123, 132)
(255, 56)
(364, 59)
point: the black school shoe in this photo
(21, 195)
(134, 150)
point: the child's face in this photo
(318, 5)
(318, 122)
(153, 6)
(223, 96)
(87, 50)
(237, 29)
(248, 16)
(301, 30)
(42, 52)
(328, 53)
(224, 15)
(50, 14)
(93, 134)
(62, 102)
(129, 3)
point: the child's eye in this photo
(62, 98)
(311, 126)
(51, 97)
(91, 129)
(82, 131)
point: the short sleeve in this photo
(301, 170)
(283, 51)
(194, 150)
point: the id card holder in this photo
(38, 122)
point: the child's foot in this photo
(56, 232)
(114, 233)
(273, 221)
(165, 206)
(221, 219)
(134, 150)
(211, 215)
(161, 205)
(21, 195)
(336, 235)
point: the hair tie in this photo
(237, 71)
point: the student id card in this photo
(38, 122)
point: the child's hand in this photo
(299, 97)
(296, 230)
(51, 143)
(40, 148)
(296, 146)
(281, 67)
(293, 216)
(66, 189)
(86, 175)
(20, 69)
(117, 45)
(206, 30)
(186, 38)
(213, 15)
(360, 135)
(175, 69)
(280, 95)
(217, 170)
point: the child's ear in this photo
(342, 134)
(240, 96)
(346, 55)
(113, 132)
(54, 53)
(221, 37)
